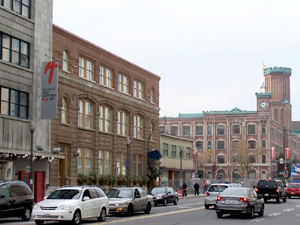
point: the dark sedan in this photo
(164, 195)
(238, 201)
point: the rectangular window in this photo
(14, 50)
(166, 149)
(220, 145)
(220, 130)
(84, 161)
(123, 123)
(106, 76)
(251, 129)
(123, 83)
(138, 89)
(199, 130)
(186, 131)
(14, 103)
(85, 114)
(137, 169)
(188, 153)
(138, 127)
(121, 163)
(104, 162)
(174, 151)
(21, 7)
(105, 119)
(86, 69)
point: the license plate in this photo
(266, 194)
(292, 193)
(231, 202)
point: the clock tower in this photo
(263, 101)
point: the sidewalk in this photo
(192, 196)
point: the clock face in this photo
(263, 104)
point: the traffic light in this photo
(285, 167)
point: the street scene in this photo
(157, 112)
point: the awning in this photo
(35, 153)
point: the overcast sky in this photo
(208, 53)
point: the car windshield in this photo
(120, 193)
(64, 194)
(235, 192)
(160, 190)
(217, 188)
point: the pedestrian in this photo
(204, 186)
(196, 187)
(184, 187)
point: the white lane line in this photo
(257, 220)
(274, 214)
(287, 210)
(298, 206)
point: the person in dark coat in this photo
(196, 187)
(184, 187)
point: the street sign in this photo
(27, 169)
(280, 160)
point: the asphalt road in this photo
(192, 212)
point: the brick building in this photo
(216, 133)
(102, 100)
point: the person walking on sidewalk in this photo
(196, 187)
(204, 186)
(184, 188)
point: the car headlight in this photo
(159, 197)
(36, 206)
(121, 204)
(63, 207)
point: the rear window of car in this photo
(293, 185)
(266, 183)
(217, 188)
(235, 192)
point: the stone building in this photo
(216, 134)
(102, 100)
(25, 42)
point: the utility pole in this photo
(180, 154)
(128, 165)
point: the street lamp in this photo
(32, 128)
(128, 165)
(180, 155)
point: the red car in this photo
(293, 189)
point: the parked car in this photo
(213, 192)
(16, 199)
(164, 195)
(239, 200)
(292, 189)
(271, 189)
(72, 204)
(129, 200)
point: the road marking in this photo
(148, 216)
(274, 214)
(298, 206)
(287, 210)
(257, 220)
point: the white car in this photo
(72, 203)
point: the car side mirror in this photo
(45, 197)
(86, 198)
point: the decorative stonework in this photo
(86, 138)
(105, 142)
(275, 69)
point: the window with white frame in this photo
(209, 130)
(138, 126)
(106, 76)
(138, 89)
(220, 159)
(236, 129)
(199, 145)
(263, 175)
(85, 114)
(220, 130)
(166, 149)
(66, 60)
(188, 153)
(252, 158)
(220, 145)
(263, 144)
(174, 151)
(174, 130)
(105, 118)
(152, 131)
(251, 144)
(186, 130)
(162, 129)
(121, 163)
(209, 145)
(263, 159)
(137, 165)
(123, 123)
(84, 161)
(199, 130)
(86, 69)
(251, 129)
(104, 162)
(65, 110)
(123, 83)
(236, 144)
(152, 95)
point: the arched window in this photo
(174, 130)
(152, 95)
(263, 175)
(221, 174)
(235, 176)
(85, 114)
(123, 123)
(186, 130)
(251, 129)
(220, 159)
(236, 129)
(65, 110)
(263, 159)
(263, 129)
(276, 114)
(199, 130)
(251, 144)
(209, 175)
(263, 144)
(220, 130)
(209, 131)
(66, 60)
(199, 145)
(209, 145)
(282, 116)
(105, 118)
(162, 129)
(138, 126)
(252, 174)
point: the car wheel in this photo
(290, 196)
(165, 202)
(251, 213)
(206, 206)
(219, 214)
(278, 200)
(26, 214)
(148, 209)
(284, 199)
(39, 222)
(265, 200)
(262, 211)
(102, 216)
(130, 210)
(76, 218)
(155, 203)
(176, 201)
